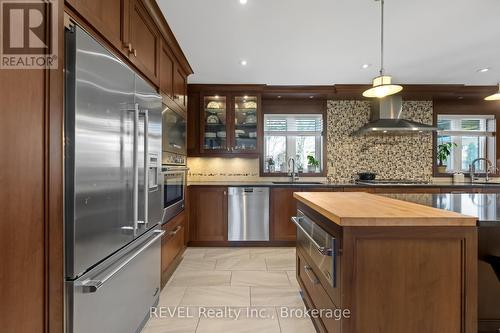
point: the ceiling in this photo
(325, 42)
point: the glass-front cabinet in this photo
(245, 123)
(215, 122)
(230, 124)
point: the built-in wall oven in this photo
(174, 170)
(174, 187)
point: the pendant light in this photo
(382, 85)
(494, 97)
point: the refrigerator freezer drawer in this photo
(116, 297)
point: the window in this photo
(473, 136)
(292, 135)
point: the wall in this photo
(216, 169)
(390, 157)
(222, 169)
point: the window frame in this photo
(461, 133)
(296, 106)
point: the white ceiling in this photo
(323, 42)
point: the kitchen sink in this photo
(299, 183)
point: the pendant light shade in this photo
(382, 85)
(494, 97)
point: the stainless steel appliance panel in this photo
(99, 124)
(116, 296)
(174, 190)
(319, 245)
(174, 136)
(149, 154)
(248, 213)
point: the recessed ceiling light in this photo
(483, 70)
(365, 66)
(243, 2)
(243, 63)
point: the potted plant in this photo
(312, 164)
(270, 164)
(443, 152)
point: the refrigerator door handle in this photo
(92, 286)
(146, 167)
(136, 170)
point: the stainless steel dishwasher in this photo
(248, 213)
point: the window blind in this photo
(289, 124)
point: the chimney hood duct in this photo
(386, 119)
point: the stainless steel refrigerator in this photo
(113, 199)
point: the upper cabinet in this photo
(167, 68)
(180, 87)
(144, 41)
(107, 17)
(138, 30)
(229, 123)
(173, 79)
(245, 119)
(214, 124)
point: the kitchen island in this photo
(390, 266)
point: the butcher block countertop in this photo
(357, 209)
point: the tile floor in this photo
(247, 290)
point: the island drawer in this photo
(316, 296)
(321, 249)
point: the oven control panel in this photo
(173, 159)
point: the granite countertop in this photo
(360, 209)
(305, 183)
(484, 206)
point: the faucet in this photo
(472, 169)
(293, 174)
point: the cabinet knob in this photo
(225, 193)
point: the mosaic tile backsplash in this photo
(406, 157)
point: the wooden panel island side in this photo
(395, 266)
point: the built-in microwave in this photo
(174, 190)
(174, 131)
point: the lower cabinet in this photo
(208, 213)
(172, 245)
(283, 206)
(316, 295)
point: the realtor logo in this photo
(29, 34)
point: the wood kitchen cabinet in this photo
(173, 79)
(107, 17)
(167, 67)
(172, 245)
(144, 41)
(229, 123)
(208, 213)
(180, 87)
(282, 206)
(137, 29)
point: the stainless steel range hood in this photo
(386, 119)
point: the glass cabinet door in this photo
(214, 123)
(245, 123)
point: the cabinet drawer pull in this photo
(310, 274)
(176, 230)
